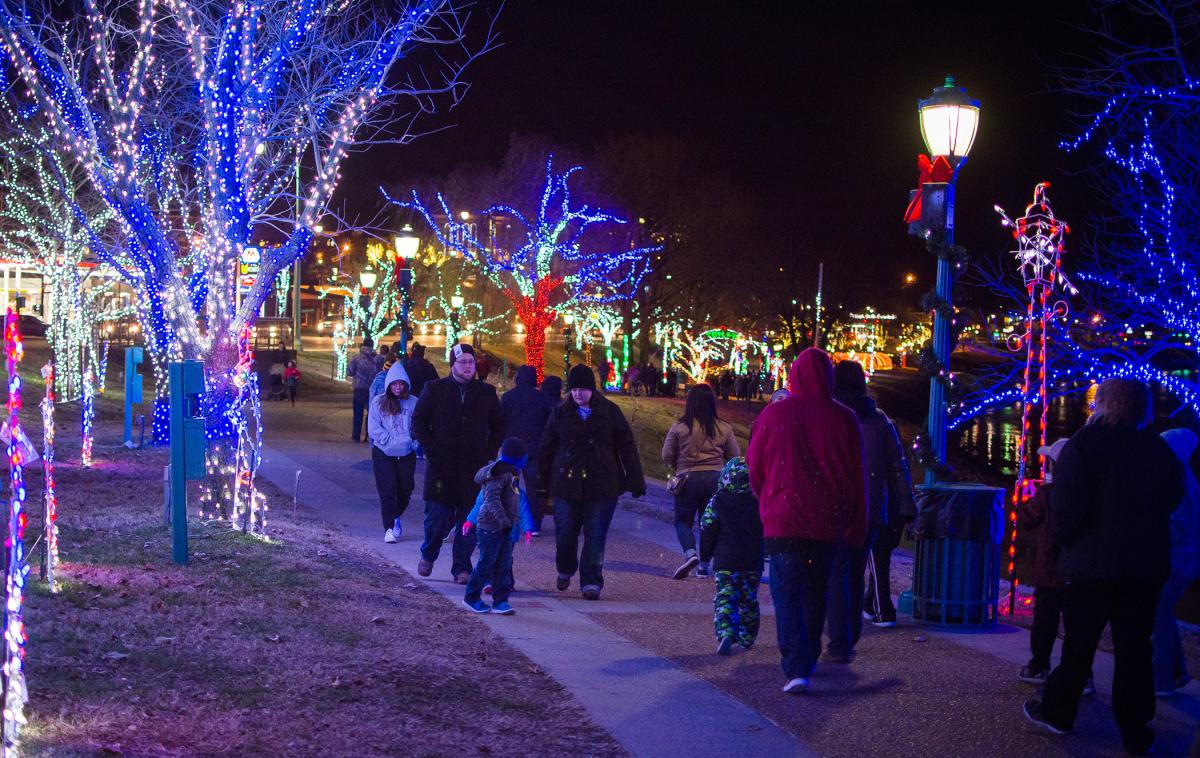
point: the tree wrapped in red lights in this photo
(552, 266)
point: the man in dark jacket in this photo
(588, 458)
(889, 505)
(807, 469)
(525, 409)
(419, 369)
(361, 372)
(457, 421)
(1115, 485)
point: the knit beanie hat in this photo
(512, 452)
(735, 477)
(581, 377)
(459, 349)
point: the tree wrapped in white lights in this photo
(190, 120)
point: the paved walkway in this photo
(641, 661)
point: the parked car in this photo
(31, 326)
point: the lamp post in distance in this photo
(407, 243)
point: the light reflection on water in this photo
(991, 438)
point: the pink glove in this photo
(466, 527)
(528, 538)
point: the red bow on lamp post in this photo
(937, 171)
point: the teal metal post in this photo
(133, 389)
(187, 447)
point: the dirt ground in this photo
(301, 645)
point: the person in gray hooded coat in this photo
(393, 454)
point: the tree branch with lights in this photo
(553, 263)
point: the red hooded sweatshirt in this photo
(806, 460)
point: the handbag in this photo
(676, 481)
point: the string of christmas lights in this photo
(15, 637)
(88, 417)
(49, 494)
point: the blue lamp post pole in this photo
(949, 119)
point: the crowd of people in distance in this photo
(821, 499)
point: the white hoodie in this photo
(392, 434)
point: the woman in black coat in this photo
(588, 459)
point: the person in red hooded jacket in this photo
(808, 471)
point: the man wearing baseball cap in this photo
(458, 423)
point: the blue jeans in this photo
(439, 519)
(1170, 667)
(361, 398)
(799, 586)
(593, 519)
(494, 566)
(695, 493)
(847, 587)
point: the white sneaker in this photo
(389, 536)
(797, 685)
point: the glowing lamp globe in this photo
(367, 278)
(456, 301)
(949, 120)
(407, 243)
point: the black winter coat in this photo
(889, 483)
(1033, 523)
(1114, 490)
(525, 410)
(460, 428)
(731, 532)
(590, 460)
(420, 373)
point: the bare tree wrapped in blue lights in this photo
(1137, 273)
(552, 265)
(198, 122)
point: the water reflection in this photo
(991, 438)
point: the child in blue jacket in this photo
(502, 514)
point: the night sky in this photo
(810, 106)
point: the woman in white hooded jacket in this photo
(393, 455)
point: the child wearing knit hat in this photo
(502, 514)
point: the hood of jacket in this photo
(1182, 442)
(526, 377)
(811, 375)
(396, 374)
(735, 477)
(485, 473)
(552, 386)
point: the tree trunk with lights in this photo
(536, 316)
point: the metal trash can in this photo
(956, 570)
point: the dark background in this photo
(812, 109)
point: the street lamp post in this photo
(407, 245)
(367, 278)
(949, 119)
(456, 304)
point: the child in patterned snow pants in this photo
(731, 536)
(735, 606)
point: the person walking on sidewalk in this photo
(457, 422)
(889, 505)
(419, 369)
(525, 410)
(807, 470)
(291, 380)
(1049, 589)
(1115, 486)
(1170, 666)
(588, 459)
(389, 427)
(361, 371)
(500, 519)
(696, 448)
(731, 536)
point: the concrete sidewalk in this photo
(641, 660)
